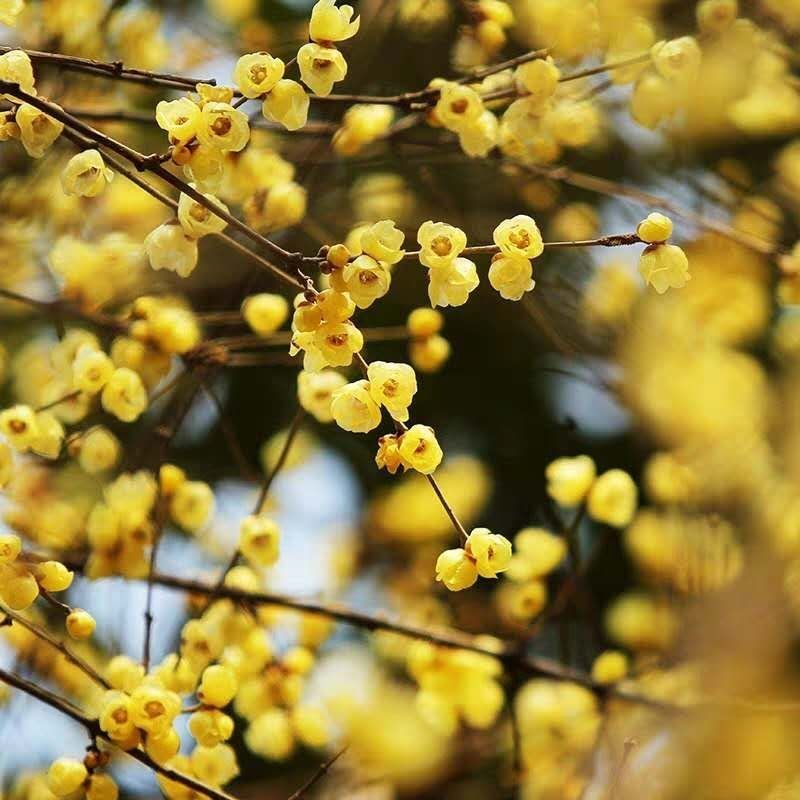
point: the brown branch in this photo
(317, 776)
(505, 651)
(113, 69)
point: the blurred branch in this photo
(62, 648)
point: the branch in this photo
(62, 648)
(318, 775)
(152, 163)
(94, 731)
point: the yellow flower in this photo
(664, 266)
(456, 570)
(101, 787)
(16, 67)
(512, 276)
(539, 78)
(420, 449)
(281, 206)
(196, 219)
(124, 395)
(430, 354)
(537, 552)
(65, 776)
(354, 409)
(50, 436)
(115, 718)
(99, 450)
(80, 624)
(218, 686)
(257, 73)
(521, 602)
(331, 24)
(265, 312)
(653, 100)
(392, 386)
(656, 229)
(153, 708)
(424, 322)
(320, 67)
(86, 174)
(519, 236)
(458, 106)
(612, 498)
(333, 344)
(260, 540)
(209, 93)
(383, 242)
(270, 734)
(18, 425)
(677, 59)
(610, 666)
(569, 479)
(223, 127)
(287, 104)
(479, 137)
(205, 167)
(37, 130)
(451, 285)
(441, 243)
(10, 547)
(91, 369)
(315, 392)
(364, 279)
(716, 16)
(192, 505)
(362, 123)
(388, 455)
(179, 118)
(168, 247)
(53, 576)
(18, 588)
(491, 551)
(210, 727)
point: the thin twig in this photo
(318, 775)
(62, 648)
(95, 732)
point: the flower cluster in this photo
(455, 686)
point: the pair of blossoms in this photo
(173, 245)
(34, 129)
(140, 711)
(484, 554)
(663, 266)
(22, 581)
(610, 498)
(452, 278)
(68, 777)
